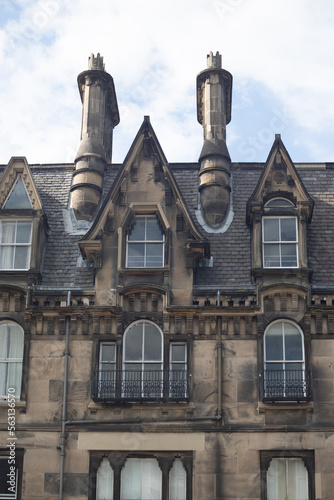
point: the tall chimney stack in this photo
(214, 96)
(99, 117)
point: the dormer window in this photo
(15, 244)
(145, 244)
(279, 237)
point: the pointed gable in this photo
(279, 178)
(145, 181)
(17, 187)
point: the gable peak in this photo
(16, 183)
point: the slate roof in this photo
(231, 250)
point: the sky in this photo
(280, 53)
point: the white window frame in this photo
(280, 242)
(7, 362)
(103, 362)
(172, 362)
(284, 361)
(16, 245)
(145, 242)
(142, 361)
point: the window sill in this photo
(19, 405)
(283, 405)
(164, 406)
(279, 271)
(143, 270)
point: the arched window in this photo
(284, 362)
(11, 358)
(143, 361)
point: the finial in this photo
(96, 62)
(214, 61)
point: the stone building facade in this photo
(166, 330)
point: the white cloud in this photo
(279, 53)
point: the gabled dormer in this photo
(279, 212)
(23, 224)
(143, 231)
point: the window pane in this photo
(153, 231)
(178, 352)
(279, 202)
(270, 229)
(271, 255)
(23, 232)
(276, 480)
(104, 481)
(297, 480)
(141, 480)
(177, 481)
(18, 197)
(153, 343)
(288, 229)
(108, 352)
(154, 255)
(274, 343)
(133, 343)
(274, 367)
(21, 257)
(293, 343)
(138, 231)
(6, 257)
(8, 232)
(289, 255)
(136, 252)
(15, 350)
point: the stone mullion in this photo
(165, 464)
(117, 463)
(188, 465)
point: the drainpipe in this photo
(219, 359)
(63, 420)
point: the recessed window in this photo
(142, 361)
(107, 370)
(287, 479)
(284, 363)
(15, 244)
(280, 242)
(11, 358)
(145, 244)
(178, 370)
(145, 374)
(141, 478)
(105, 481)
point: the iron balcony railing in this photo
(130, 385)
(286, 385)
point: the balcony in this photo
(116, 386)
(286, 385)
